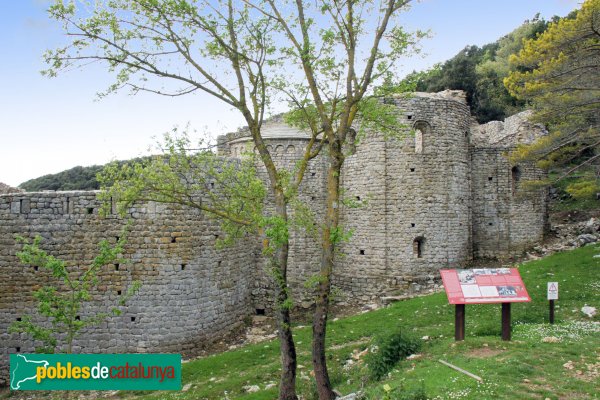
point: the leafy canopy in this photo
(558, 74)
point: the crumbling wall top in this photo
(516, 129)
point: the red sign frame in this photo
(484, 286)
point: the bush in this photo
(387, 351)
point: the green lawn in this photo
(527, 367)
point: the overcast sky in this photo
(49, 125)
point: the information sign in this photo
(484, 285)
(552, 290)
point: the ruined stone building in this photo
(435, 199)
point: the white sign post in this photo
(552, 295)
(552, 290)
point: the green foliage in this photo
(557, 72)
(387, 351)
(62, 300)
(584, 189)
(77, 178)
(480, 71)
(397, 393)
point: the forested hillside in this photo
(78, 178)
(480, 71)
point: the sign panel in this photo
(484, 285)
(552, 290)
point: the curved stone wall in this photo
(191, 292)
(417, 191)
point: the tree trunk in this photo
(324, 388)
(287, 385)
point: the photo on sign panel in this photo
(507, 291)
(466, 276)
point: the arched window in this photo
(422, 130)
(515, 174)
(418, 247)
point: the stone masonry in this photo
(437, 195)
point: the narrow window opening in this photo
(216, 236)
(422, 131)
(90, 210)
(418, 247)
(412, 170)
(362, 252)
(219, 263)
(312, 197)
(515, 174)
(260, 311)
(116, 267)
(419, 141)
(412, 225)
(35, 268)
(77, 318)
(357, 198)
(212, 184)
(132, 319)
(118, 292)
(183, 267)
(490, 178)
(409, 116)
(173, 240)
(117, 238)
(490, 223)
(18, 349)
(313, 173)
(19, 319)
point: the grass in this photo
(524, 368)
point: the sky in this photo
(48, 125)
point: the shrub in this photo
(387, 351)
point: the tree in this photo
(333, 101)
(559, 74)
(62, 300)
(219, 48)
(244, 53)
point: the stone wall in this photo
(286, 146)
(417, 187)
(191, 292)
(508, 216)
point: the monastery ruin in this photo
(438, 198)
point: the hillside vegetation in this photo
(77, 178)
(480, 71)
(542, 361)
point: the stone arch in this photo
(418, 246)
(422, 132)
(515, 177)
(290, 149)
(279, 150)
